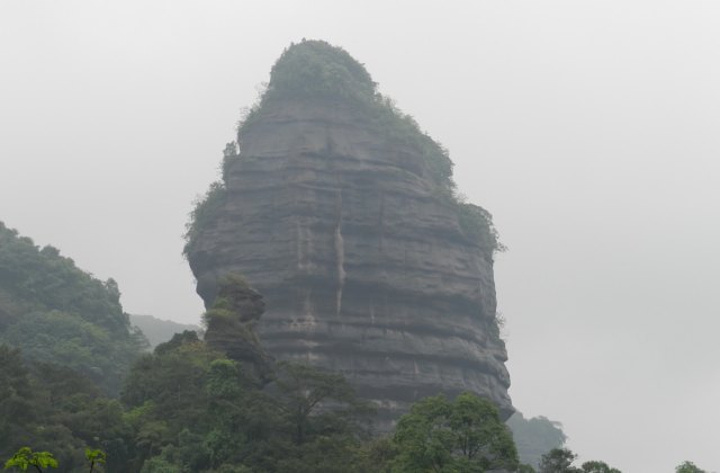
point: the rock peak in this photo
(343, 215)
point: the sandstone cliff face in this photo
(362, 262)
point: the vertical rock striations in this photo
(341, 213)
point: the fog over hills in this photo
(588, 128)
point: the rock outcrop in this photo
(344, 220)
(231, 326)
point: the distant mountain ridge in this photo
(534, 437)
(159, 331)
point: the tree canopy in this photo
(464, 436)
(560, 460)
(688, 467)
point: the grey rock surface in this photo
(363, 265)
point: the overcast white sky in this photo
(590, 129)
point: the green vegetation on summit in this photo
(317, 72)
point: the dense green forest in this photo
(78, 394)
(194, 405)
(188, 408)
(73, 377)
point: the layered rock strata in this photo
(362, 261)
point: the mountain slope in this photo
(55, 312)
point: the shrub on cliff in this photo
(477, 224)
(317, 69)
(205, 211)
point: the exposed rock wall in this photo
(362, 263)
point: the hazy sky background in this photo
(590, 129)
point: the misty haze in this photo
(359, 236)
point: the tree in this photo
(598, 467)
(558, 460)
(25, 458)
(688, 467)
(95, 456)
(314, 401)
(463, 436)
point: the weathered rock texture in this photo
(362, 262)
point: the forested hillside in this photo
(59, 313)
